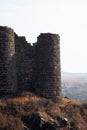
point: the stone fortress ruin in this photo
(26, 67)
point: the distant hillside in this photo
(74, 85)
(73, 75)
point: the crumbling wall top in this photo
(6, 29)
(45, 38)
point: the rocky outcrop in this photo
(38, 122)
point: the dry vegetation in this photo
(12, 111)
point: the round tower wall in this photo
(7, 60)
(47, 67)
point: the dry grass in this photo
(26, 97)
(9, 122)
(73, 102)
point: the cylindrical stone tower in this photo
(8, 82)
(47, 67)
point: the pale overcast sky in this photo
(68, 18)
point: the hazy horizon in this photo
(68, 18)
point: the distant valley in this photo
(74, 85)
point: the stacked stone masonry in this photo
(8, 81)
(30, 67)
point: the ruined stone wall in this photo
(47, 67)
(7, 61)
(26, 67)
(24, 59)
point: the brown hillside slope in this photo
(29, 111)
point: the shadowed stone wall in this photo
(7, 61)
(24, 63)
